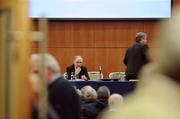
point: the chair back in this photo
(117, 75)
(95, 75)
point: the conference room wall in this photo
(100, 43)
(176, 2)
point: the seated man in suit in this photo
(76, 69)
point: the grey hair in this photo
(140, 35)
(49, 60)
(88, 92)
(103, 92)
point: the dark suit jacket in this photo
(92, 108)
(135, 58)
(64, 99)
(71, 69)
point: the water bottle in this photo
(100, 72)
(72, 75)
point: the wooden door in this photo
(14, 60)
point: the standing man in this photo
(158, 93)
(62, 97)
(77, 69)
(136, 56)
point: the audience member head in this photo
(168, 42)
(115, 98)
(141, 37)
(47, 61)
(78, 61)
(88, 93)
(78, 92)
(103, 92)
(115, 101)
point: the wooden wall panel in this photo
(134, 27)
(110, 59)
(149, 28)
(58, 34)
(71, 34)
(82, 34)
(176, 2)
(98, 42)
(111, 34)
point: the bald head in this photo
(115, 98)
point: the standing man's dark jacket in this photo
(135, 58)
(64, 99)
(71, 69)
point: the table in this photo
(121, 87)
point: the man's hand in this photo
(83, 77)
(77, 70)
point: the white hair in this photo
(115, 98)
(48, 59)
